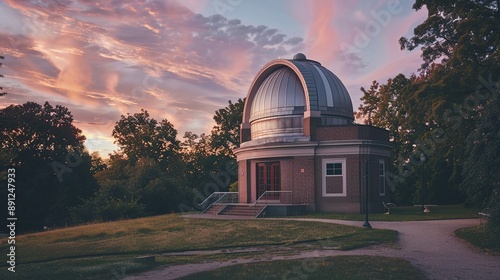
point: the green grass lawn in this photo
(480, 237)
(105, 250)
(407, 213)
(340, 267)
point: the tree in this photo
(225, 138)
(129, 190)
(97, 163)
(205, 156)
(140, 136)
(200, 159)
(196, 151)
(226, 132)
(383, 107)
(146, 177)
(52, 166)
(480, 171)
(155, 189)
(443, 111)
(370, 100)
(457, 33)
(460, 42)
(405, 106)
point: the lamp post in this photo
(422, 159)
(366, 224)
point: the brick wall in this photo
(354, 200)
(303, 180)
(303, 176)
(343, 204)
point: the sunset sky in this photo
(183, 60)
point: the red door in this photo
(268, 179)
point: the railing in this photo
(213, 197)
(229, 197)
(274, 197)
(219, 197)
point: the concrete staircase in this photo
(215, 208)
(242, 210)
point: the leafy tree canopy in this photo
(33, 131)
(457, 33)
(226, 132)
(140, 136)
(52, 167)
(438, 111)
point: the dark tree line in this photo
(52, 166)
(449, 111)
(59, 183)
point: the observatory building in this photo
(300, 146)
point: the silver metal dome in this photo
(285, 89)
(326, 92)
(278, 106)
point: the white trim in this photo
(308, 148)
(324, 162)
(381, 161)
(274, 152)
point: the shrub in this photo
(233, 187)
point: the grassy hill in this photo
(108, 250)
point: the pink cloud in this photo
(321, 31)
(405, 25)
(104, 59)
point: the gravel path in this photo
(429, 245)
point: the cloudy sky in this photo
(183, 60)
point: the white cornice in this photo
(322, 148)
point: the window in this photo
(334, 177)
(381, 177)
(334, 169)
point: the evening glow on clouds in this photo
(183, 60)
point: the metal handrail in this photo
(208, 199)
(260, 211)
(231, 199)
(215, 197)
(270, 192)
(221, 209)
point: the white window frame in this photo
(381, 161)
(344, 177)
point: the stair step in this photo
(214, 208)
(241, 210)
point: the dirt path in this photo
(429, 245)
(433, 247)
